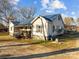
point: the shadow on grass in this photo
(46, 54)
(5, 40)
(4, 33)
(23, 44)
(5, 55)
(70, 35)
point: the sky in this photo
(46, 7)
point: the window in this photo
(39, 28)
(59, 17)
(11, 28)
(59, 29)
(45, 25)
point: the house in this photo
(47, 26)
(20, 28)
(71, 27)
(41, 27)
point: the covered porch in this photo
(23, 31)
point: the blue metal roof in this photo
(51, 17)
(28, 22)
(23, 22)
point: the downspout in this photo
(43, 29)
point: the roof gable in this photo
(52, 17)
(15, 22)
(49, 18)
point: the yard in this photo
(67, 48)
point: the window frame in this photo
(39, 28)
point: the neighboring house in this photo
(76, 25)
(46, 26)
(23, 28)
(71, 27)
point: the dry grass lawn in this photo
(36, 49)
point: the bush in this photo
(17, 35)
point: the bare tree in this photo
(27, 13)
(6, 10)
(68, 20)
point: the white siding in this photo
(48, 26)
(56, 23)
(59, 23)
(39, 22)
(11, 28)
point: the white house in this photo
(22, 28)
(46, 26)
(11, 28)
(41, 26)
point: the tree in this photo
(6, 10)
(1, 26)
(27, 13)
(68, 20)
